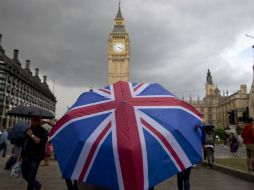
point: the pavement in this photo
(224, 152)
(201, 178)
(49, 176)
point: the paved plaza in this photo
(224, 152)
(201, 179)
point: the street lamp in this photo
(249, 36)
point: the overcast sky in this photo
(173, 42)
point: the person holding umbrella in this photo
(183, 178)
(3, 142)
(33, 152)
(33, 148)
(16, 137)
(128, 136)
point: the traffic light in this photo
(231, 117)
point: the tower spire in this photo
(119, 13)
(209, 79)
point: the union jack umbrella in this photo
(128, 136)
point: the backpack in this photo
(209, 139)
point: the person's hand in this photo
(29, 132)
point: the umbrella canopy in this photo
(17, 133)
(30, 111)
(127, 136)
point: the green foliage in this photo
(239, 130)
(220, 132)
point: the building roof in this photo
(209, 78)
(14, 67)
(119, 29)
(119, 15)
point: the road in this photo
(201, 178)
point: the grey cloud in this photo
(172, 42)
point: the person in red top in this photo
(248, 140)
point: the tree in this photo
(220, 132)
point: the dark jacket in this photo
(31, 150)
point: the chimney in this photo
(44, 79)
(1, 48)
(15, 54)
(1, 40)
(27, 67)
(36, 73)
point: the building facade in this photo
(20, 87)
(118, 51)
(223, 110)
(251, 98)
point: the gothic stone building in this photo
(118, 51)
(19, 87)
(223, 110)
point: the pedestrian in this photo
(3, 142)
(248, 140)
(183, 179)
(33, 152)
(209, 144)
(85, 186)
(15, 156)
(234, 144)
(225, 141)
(71, 185)
(48, 153)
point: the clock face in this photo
(118, 47)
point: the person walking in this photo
(48, 153)
(71, 185)
(33, 152)
(248, 140)
(3, 142)
(209, 144)
(183, 179)
(234, 144)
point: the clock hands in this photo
(119, 47)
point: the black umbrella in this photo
(30, 112)
(208, 127)
(17, 133)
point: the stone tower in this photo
(209, 86)
(118, 51)
(251, 99)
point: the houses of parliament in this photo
(220, 110)
(223, 110)
(118, 51)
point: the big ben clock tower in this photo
(118, 51)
